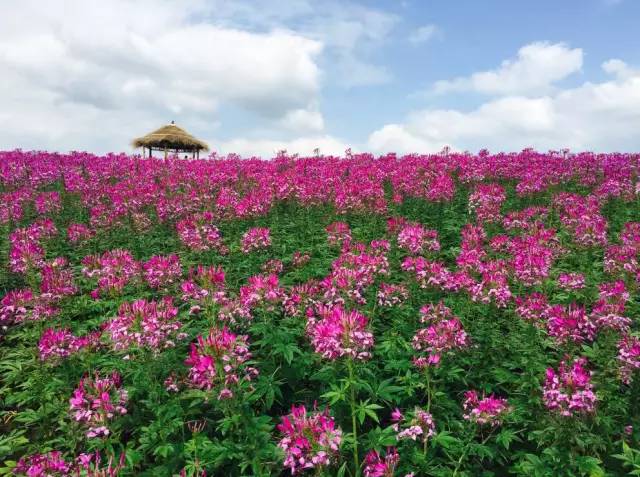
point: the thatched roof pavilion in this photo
(170, 138)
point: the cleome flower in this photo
(311, 440)
(336, 332)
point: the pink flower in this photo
(390, 295)
(150, 325)
(97, 401)
(488, 410)
(569, 391)
(571, 281)
(415, 239)
(377, 466)
(418, 425)
(78, 233)
(310, 440)
(256, 238)
(339, 333)
(51, 464)
(570, 324)
(113, 269)
(219, 362)
(628, 357)
(198, 233)
(60, 344)
(162, 272)
(486, 202)
(444, 334)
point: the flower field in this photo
(425, 315)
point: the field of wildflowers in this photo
(425, 315)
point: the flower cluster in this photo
(162, 272)
(60, 344)
(418, 425)
(628, 357)
(581, 216)
(570, 324)
(198, 233)
(51, 464)
(205, 285)
(415, 239)
(444, 334)
(486, 201)
(571, 281)
(19, 306)
(144, 324)
(336, 332)
(311, 440)
(79, 233)
(390, 295)
(256, 238)
(57, 279)
(114, 269)
(97, 401)
(219, 362)
(377, 466)
(569, 391)
(48, 202)
(488, 410)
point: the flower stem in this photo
(354, 424)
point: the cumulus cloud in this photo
(597, 116)
(535, 69)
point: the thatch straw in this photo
(170, 137)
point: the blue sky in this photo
(253, 76)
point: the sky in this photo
(254, 77)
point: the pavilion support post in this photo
(165, 153)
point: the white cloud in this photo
(267, 148)
(423, 34)
(598, 116)
(535, 69)
(302, 120)
(91, 75)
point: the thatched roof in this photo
(171, 137)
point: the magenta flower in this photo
(569, 392)
(79, 233)
(390, 295)
(418, 425)
(488, 410)
(51, 464)
(113, 269)
(57, 279)
(311, 440)
(338, 333)
(377, 466)
(144, 324)
(198, 233)
(219, 362)
(571, 281)
(444, 334)
(97, 401)
(415, 239)
(256, 238)
(60, 344)
(628, 357)
(162, 272)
